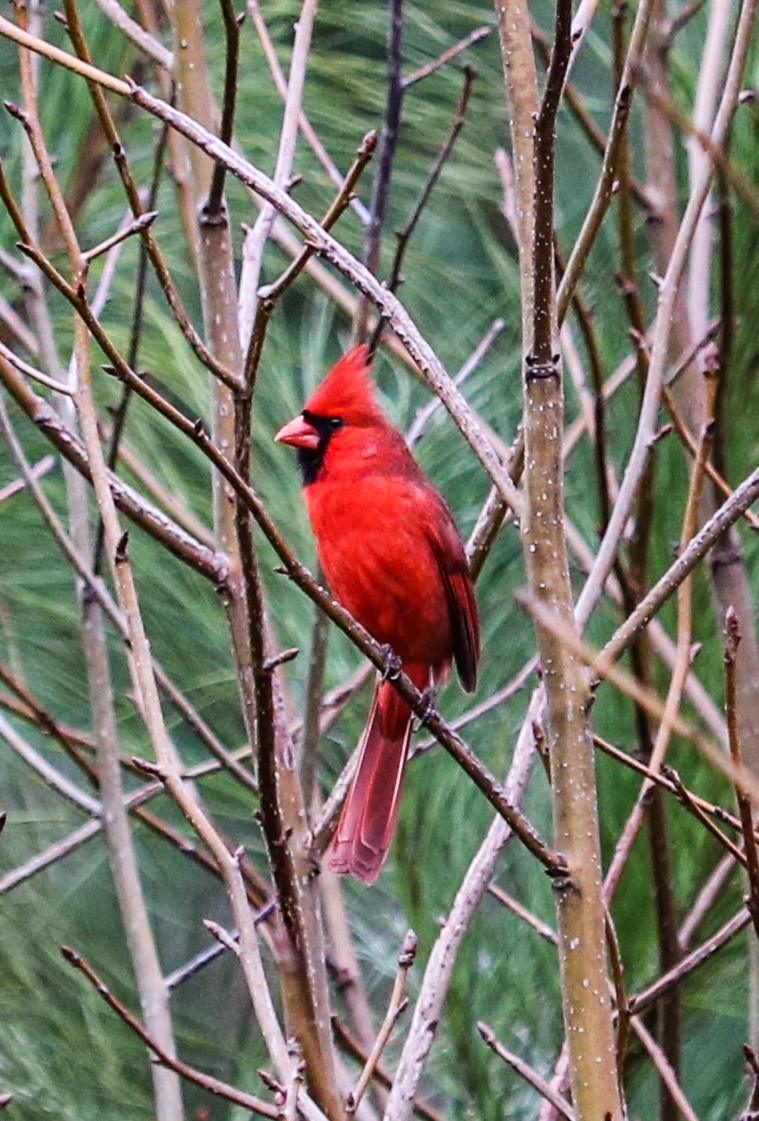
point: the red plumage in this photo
(393, 557)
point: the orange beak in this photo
(298, 433)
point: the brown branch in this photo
(426, 361)
(404, 236)
(605, 187)
(692, 446)
(380, 1074)
(585, 120)
(384, 170)
(154, 522)
(545, 1089)
(202, 352)
(586, 1010)
(732, 643)
(604, 668)
(232, 23)
(269, 295)
(743, 496)
(395, 1009)
(446, 56)
(38, 471)
(49, 774)
(205, 1081)
(48, 856)
(643, 1000)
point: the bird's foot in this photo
(391, 669)
(430, 697)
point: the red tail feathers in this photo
(367, 823)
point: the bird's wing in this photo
(459, 593)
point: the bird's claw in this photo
(430, 697)
(391, 669)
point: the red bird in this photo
(393, 557)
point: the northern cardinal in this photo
(392, 555)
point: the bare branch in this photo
(394, 1010)
(545, 1089)
(206, 1081)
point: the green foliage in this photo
(62, 1052)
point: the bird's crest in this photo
(347, 390)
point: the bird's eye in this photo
(336, 422)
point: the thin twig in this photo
(394, 1010)
(206, 1081)
(425, 415)
(36, 375)
(257, 237)
(446, 56)
(705, 900)
(543, 929)
(386, 160)
(545, 1089)
(232, 23)
(381, 1075)
(732, 643)
(403, 236)
(54, 778)
(137, 34)
(304, 124)
(643, 1000)
(664, 320)
(664, 1069)
(605, 187)
(604, 668)
(38, 471)
(743, 496)
(440, 964)
(135, 227)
